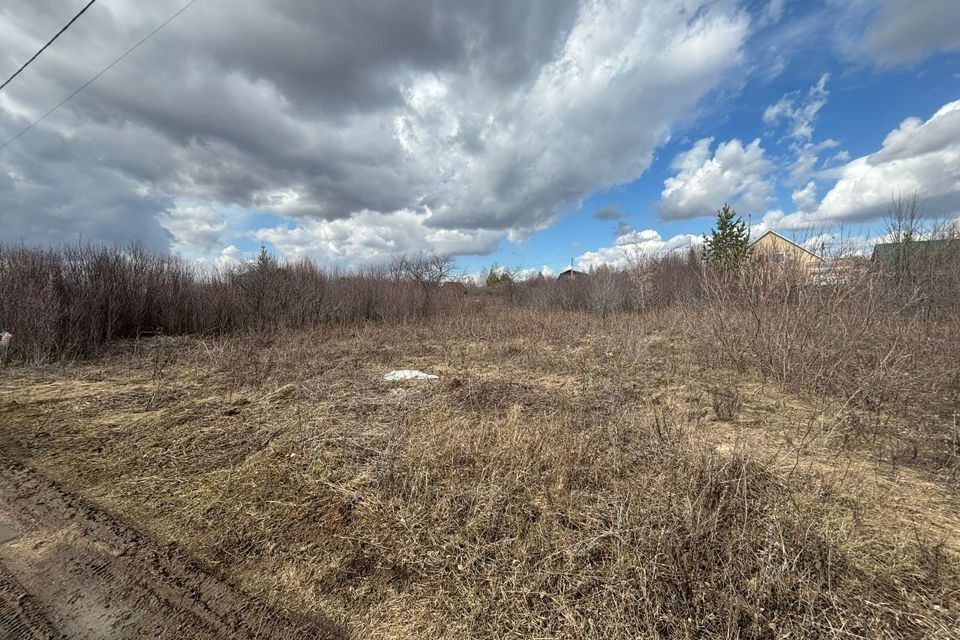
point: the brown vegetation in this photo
(656, 452)
(68, 302)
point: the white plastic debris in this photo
(408, 374)
(4, 345)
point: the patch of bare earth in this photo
(70, 570)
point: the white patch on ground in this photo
(408, 374)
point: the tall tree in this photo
(728, 245)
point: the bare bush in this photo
(921, 256)
(67, 302)
(726, 403)
(608, 290)
(665, 280)
(647, 283)
(860, 338)
(604, 290)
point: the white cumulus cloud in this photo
(805, 199)
(196, 227)
(919, 157)
(374, 237)
(734, 173)
(634, 246)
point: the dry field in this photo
(568, 476)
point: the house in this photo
(774, 248)
(571, 273)
(900, 256)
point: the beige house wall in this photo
(775, 248)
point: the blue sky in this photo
(863, 106)
(350, 132)
(865, 103)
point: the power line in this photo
(44, 47)
(94, 78)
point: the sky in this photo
(530, 134)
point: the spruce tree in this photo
(496, 276)
(728, 244)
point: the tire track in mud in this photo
(20, 617)
(75, 572)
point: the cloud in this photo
(921, 157)
(373, 237)
(229, 256)
(485, 119)
(609, 212)
(805, 199)
(734, 173)
(904, 32)
(196, 227)
(917, 157)
(799, 113)
(623, 228)
(806, 157)
(56, 194)
(772, 13)
(591, 119)
(636, 245)
(839, 157)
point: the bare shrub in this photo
(860, 338)
(67, 302)
(661, 281)
(604, 290)
(608, 290)
(726, 403)
(921, 257)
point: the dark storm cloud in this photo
(609, 212)
(349, 55)
(481, 118)
(56, 195)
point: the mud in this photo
(70, 570)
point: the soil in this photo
(70, 570)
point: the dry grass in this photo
(568, 476)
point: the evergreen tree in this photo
(496, 276)
(728, 245)
(265, 262)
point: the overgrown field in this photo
(710, 469)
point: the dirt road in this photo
(69, 570)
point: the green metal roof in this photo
(889, 253)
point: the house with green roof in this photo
(898, 256)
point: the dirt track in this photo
(69, 570)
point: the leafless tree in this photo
(905, 221)
(607, 290)
(426, 270)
